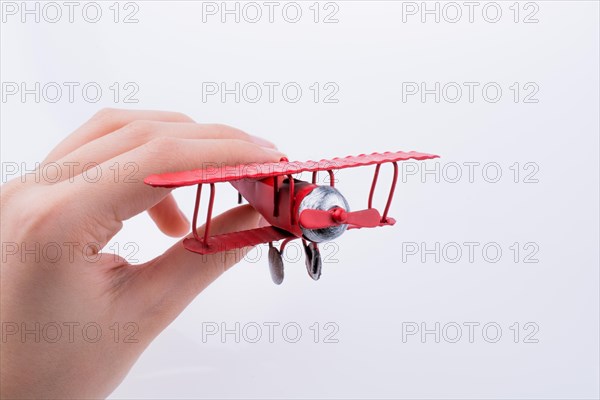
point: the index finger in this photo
(112, 202)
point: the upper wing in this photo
(214, 172)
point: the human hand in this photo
(85, 290)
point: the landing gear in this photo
(275, 264)
(313, 260)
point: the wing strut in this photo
(291, 183)
(208, 213)
(392, 190)
(329, 171)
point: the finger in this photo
(166, 285)
(137, 133)
(91, 155)
(104, 204)
(106, 121)
(169, 218)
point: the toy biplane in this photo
(295, 209)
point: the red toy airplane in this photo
(294, 208)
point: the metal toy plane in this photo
(295, 209)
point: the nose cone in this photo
(325, 198)
(339, 215)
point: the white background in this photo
(370, 293)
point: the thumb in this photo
(164, 286)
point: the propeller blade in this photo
(316, 219)
(368, 218)
(319, 219)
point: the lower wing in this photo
(236, 240)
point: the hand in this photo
(73, 325)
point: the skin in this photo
(85, 285)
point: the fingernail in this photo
(262, 142)
(276, 152)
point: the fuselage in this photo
(272, 198)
